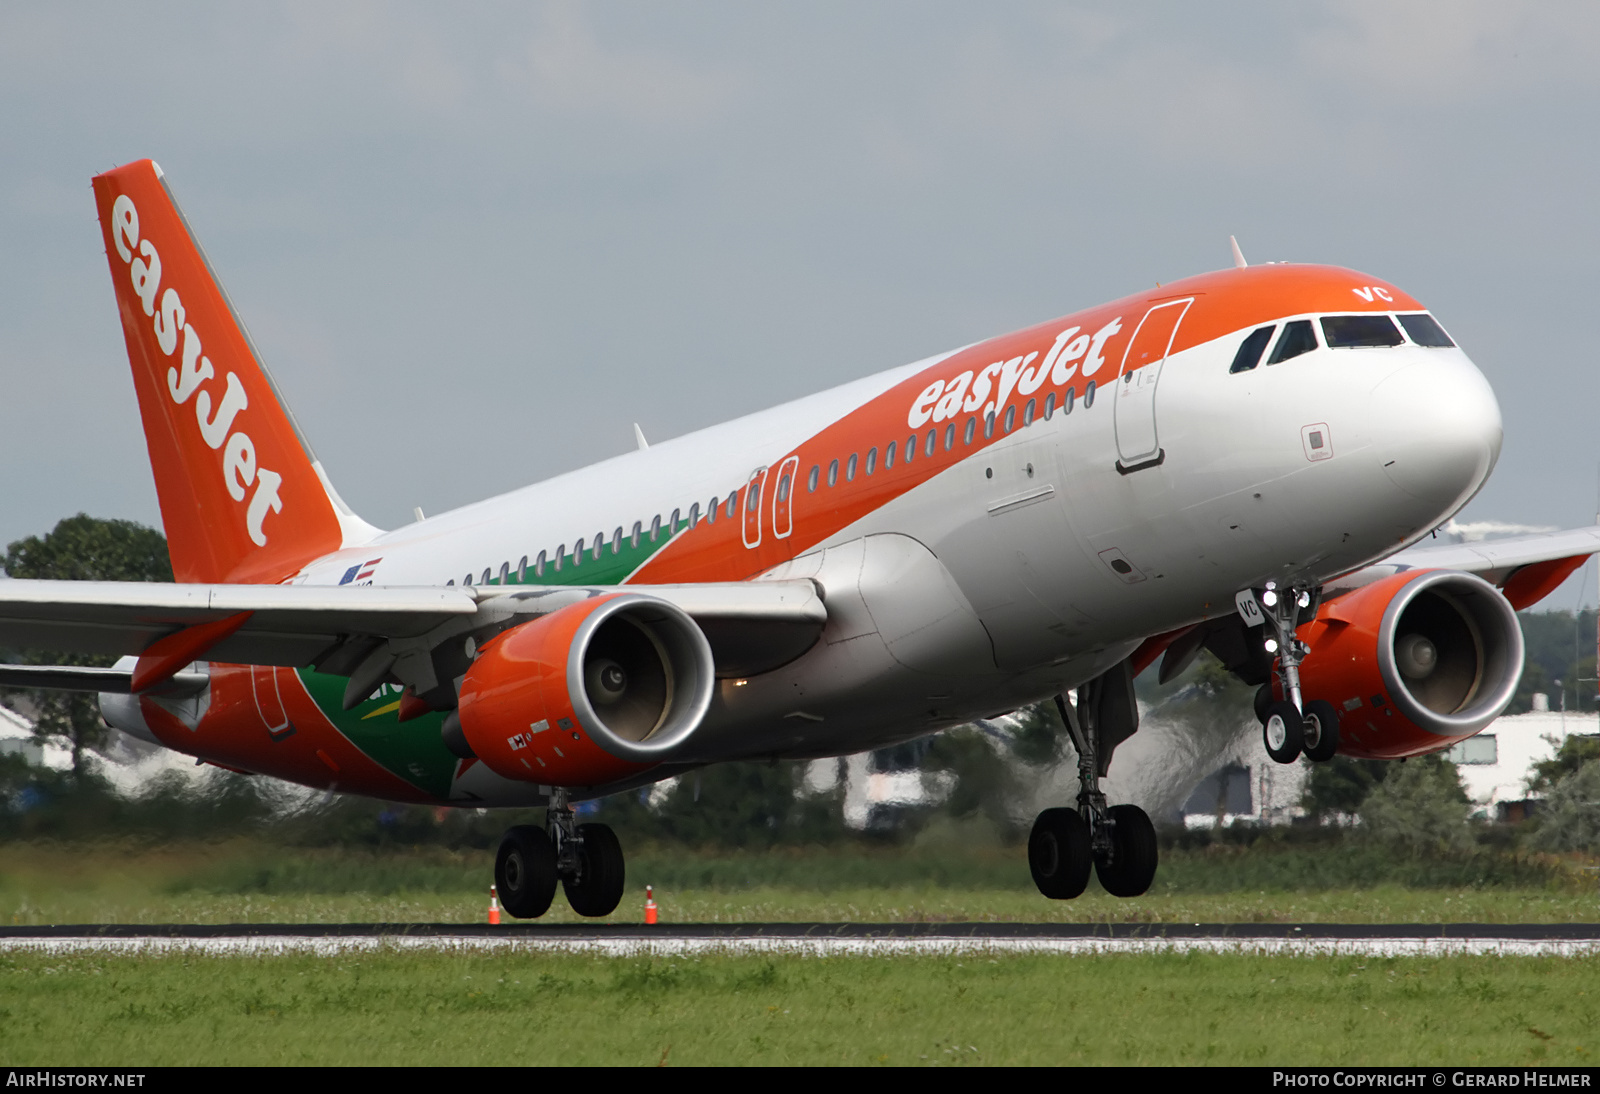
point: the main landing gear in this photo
(1118, 841)
(1292, 725)
(585, 858)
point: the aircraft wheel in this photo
(1320, 730)
(597, 890)
(1282, 731)
(1263, 700)
(1058, 853)
(525, 871)
(1131, 866)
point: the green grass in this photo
(423, 1008)
(241, 882)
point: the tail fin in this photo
(242, 497)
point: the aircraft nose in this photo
(1442, 429)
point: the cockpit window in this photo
(1347, 331)
(1297, 338)
(1425, 331)
(1250, 350)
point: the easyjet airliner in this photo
(1237, 462)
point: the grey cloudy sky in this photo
(474, 244)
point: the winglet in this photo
(1238, 255)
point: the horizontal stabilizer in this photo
(80, 678)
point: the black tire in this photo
(1263, 700)
(1320, 730)
(1282, 731)
(602, 872)
(525, 871)
(1058, 853)
(1131, 865)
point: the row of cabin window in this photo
(543, 561)
(729, 505)
(930, 442)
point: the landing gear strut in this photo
(586, 859)
(1292, 725)
(1118, 840)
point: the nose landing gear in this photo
(1118, 841)
(586, 859)
(1292, 725)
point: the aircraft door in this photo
(269, 704)
(783, 498)
(1138, 445)
(752, 507)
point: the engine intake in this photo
(594, 692)
(1414, 662)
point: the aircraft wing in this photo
(1526, 567)
(750, 625)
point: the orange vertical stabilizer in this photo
(241, 496)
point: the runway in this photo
(818, 939)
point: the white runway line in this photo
(268, 946)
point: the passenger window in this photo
(467, 580)
(1049, 406)
(850, 468)
(599, 545)
(949, 436)
(752, 498)
(1351, 331)
(1068, 399)
(783, 488)
(1027, 414)
(522, 567)
(1297, 338)
(732, 503)
(1010, 419)
(930, 442)
(485, 579)
(968, 433)
(577, 552)
(833, 473)
(633, 540)
(988, 426)
(505, 573)
(888, 456)
(616, 540)
(677, 519)
(694, 514)
(538, 563)
(451, 582)
(1251, 349)
(811, 481)
(872, 460)
(655, 528)
(1088, 395)
(1425, 331)
(911, 448)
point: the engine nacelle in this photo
(589, 694)
(1414, 663)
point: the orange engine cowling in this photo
(589, 694)
(1414, 663)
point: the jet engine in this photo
(589, 694)
(1414, 663)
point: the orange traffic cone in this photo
(649, 904)
(494, 907)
